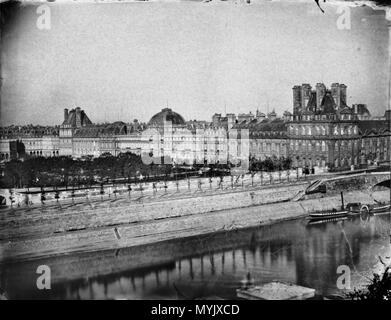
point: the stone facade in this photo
(325, 131)
(321, 131)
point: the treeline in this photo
(65, 171)
(270, 164)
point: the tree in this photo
(378, 289)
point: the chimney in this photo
(388, 115)
(296, 99)
(65, 114)
(78, 117)
(336, 94)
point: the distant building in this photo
(73, 119)
(8, 149)
(29, 141)
(325, 131)
(321, 131)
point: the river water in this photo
(215, 265)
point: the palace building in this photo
(325, 131)
(321, 131)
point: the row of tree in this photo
(270, 164)
(65, 171)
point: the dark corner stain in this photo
(382, 2)
(317, 2)
(8, 13)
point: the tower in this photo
(65, 114)
(336, 94)
(216, 119)
(343, 93)
(296, 99)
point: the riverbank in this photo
(161, 221)
(114, 223)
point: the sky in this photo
(128, 61)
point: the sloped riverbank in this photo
(54, 231)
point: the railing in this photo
(143, 191)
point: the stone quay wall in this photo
(20, 224)
(168, 228)
(30, 233)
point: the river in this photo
(214, 265)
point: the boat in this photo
(313, 222)
(380, 208)
(328, 214)
(357, 208)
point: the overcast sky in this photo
(126, 61)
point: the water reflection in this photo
(213, 265)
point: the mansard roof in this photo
(71, 120)
(328, 104)
(366, 127)
(111, 129)
(267, 128)
(346, 110)
(362, 109)
(28, 131)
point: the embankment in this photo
(40, 234)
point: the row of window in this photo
(322, 130)
(268, 147)
(308, 145)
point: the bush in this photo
(378, 289)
